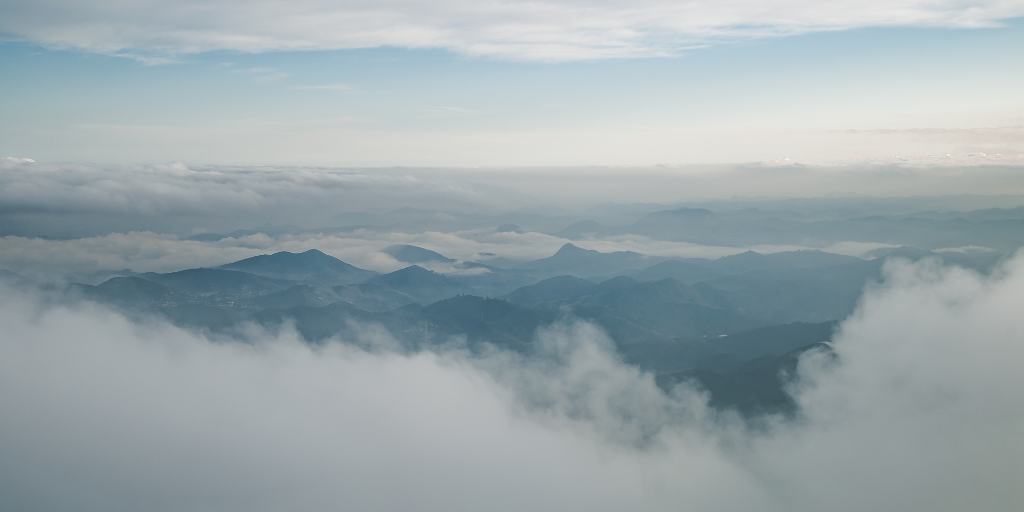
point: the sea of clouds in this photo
(919, 409)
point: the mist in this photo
(51, 199)
(917, 407)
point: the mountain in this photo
(977, 258)
(646, 319)
(462, 319)
(640, 312)
(312, 266)
(758, 386)
(682, 270)
(130, 290)
(582, 229)
(727, 352)
(573, 260)
(419, 283)
(679, 223)
(209, 299)
(414, 254)
(318, 323)
(295, 296)
(751, 261)
(216, 281)
(493, 321)
(787, 293)
(213, 237)
(372, 297)
(551, 292)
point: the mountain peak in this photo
(415, 254)
(571, 248)
(414, 270)
(311, 264)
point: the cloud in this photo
(920, 410)
(952, 146)
(547, 30)
(14, 161)
(168, 196)
(40, 199)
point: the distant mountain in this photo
(638, 315)
(318, 323)
(312, 266)
(419, 283)
(574, 260)
(582, 229)
(492, 321)
(677, 224)
(715, 332)
(694, 270)
(910, 253)
(781, 292)
(639, 312)
(296, 296)
(552, 292)
(373, 297)
(130, 291)
(508, 228)
(757, 386)
(465, 318)
(414, 254)
(682, 270)
(216, 281)
(802, 259)
(209, 299)
(1001, 229)
(725, 353)
(981, 259)
(690, 214)
(213, 237)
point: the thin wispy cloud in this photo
(549, 30)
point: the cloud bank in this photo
(183, 198)
(547, 30)
(919, 410)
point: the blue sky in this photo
(856, 94)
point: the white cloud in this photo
(15, 161)
(551, 30)
(921, 411)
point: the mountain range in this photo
(720, 322)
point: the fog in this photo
(69, 200)
(919, 409)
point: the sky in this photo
(512, 84)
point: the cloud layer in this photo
(920, 410)
(548, 30)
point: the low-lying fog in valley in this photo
(754, 337)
